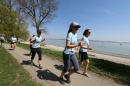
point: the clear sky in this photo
(108, 20)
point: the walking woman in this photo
(36, 48)
(83, 51)
(69, 53)
(13, 42)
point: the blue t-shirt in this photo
(36, 44)
(86, 44)
(73, 40)
(14, 39)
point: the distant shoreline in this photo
(111, 58)
(93, 40)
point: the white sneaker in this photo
(86, 74)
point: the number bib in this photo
(73, 49)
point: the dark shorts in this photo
(13, 42)
(2, 41)
(38, 51)
(83, 56)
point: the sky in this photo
(108, 20)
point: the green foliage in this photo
(11, 23)
(13, 74)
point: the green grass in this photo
(13, 74)
(118, 72)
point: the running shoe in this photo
(40, 66)
(67, 79)
(86, 74)
(32, 63)
(61, 80)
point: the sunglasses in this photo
(76, 27)
(88, 32)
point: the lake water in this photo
(103, 47)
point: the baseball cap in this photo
(75, 24)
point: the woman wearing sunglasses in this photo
(83, 51)
(69, 53)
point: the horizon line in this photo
(91, 40)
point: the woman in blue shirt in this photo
(69, 53)
(36, 48)
(83, 51)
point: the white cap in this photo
(75, 24)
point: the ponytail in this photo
(70, 30)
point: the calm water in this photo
(103, 47)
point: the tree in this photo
(11, 23)
(40, 12)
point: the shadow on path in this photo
(47, 75)
(27, 62)
(10, 49)
(27, 54)
(59, 67)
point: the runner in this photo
(13, 42)
(36, 40)
(83, 51)
(31, 45)
(69, 53)
(2, 40)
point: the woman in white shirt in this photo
(36, 48)
(13, 42)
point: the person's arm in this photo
(69, 45)
(85, 47)
(33, 39)
(68, 41)
(82, 45)
(43, 39)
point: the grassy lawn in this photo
(118, 72)
(13, 74)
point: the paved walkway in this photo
(52, 69)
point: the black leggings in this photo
(39, 52)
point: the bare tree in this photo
(40, 12)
